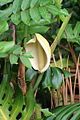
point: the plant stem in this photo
(38, 81)
(21, 78)
(72, 53)
(61, 30)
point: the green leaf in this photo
(67, 112)
(35, 15)
(4, 14)
(53, 9)
(6, 46)
(46, 112)
(58, 3)
(28, 54)
(16, 18)
(37, 29)
(17, 50)
(25, 61)
(16, 5)
(3, 26)
(45, 14)
(45, 2)
(5, 103)
(33, 3)
(66, 74)
(56, 11)
(77, 29)
(3, 55)
(25, 17)
(3, 2)
(47, 79)
(25, 4)
(13, 59)
(30, 74)
(17, 104)
(30, 101)
(56, 78)
(72, 35)
(64, 12)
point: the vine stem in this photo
(38, 81)
(61, 30)
(21, 78)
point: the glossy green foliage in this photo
(69, 112)
(11, 107)
(30, 12)
(31, 74)
(73, 34)
(53, 77)
(30, 17)
(3, 26)
(5, 47)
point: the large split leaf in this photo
(30, 102)
(9, 108)
(5, 98)
(13, 105)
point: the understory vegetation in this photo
(39, 59)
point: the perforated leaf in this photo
(11, 105)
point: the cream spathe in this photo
(41, 52)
